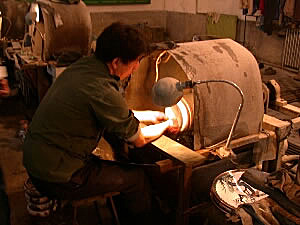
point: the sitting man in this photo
(83, 103)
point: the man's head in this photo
(121, 47)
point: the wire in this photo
(158, 61)
(239, 109)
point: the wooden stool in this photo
(94, 199)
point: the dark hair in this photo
(121, 40)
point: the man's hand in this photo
(173, 126)
(4, 88)
(154, 131)
(158, 117)
(150, 117)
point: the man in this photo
(83, 103)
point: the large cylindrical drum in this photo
(183, 111)
(216, 104)
(64, 30)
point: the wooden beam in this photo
(166, 165)
(178, 152)
(296, 123)
(280, 127)
(288, 109)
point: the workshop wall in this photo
(183, 6)
(152, 14)
(184, 21)
(154, 19)
(186, 18)
(266, 48)
(155, 5)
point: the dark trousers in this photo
(4, 205)
(98, 177)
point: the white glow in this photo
(182, 110)
(35, 8)
(184, 115)
(170, 113)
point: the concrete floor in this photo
(15, 175)
(11, 160)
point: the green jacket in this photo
(82, 102)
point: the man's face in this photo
(124, 70)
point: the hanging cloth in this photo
(297, 11)
(262, 6)
(255, 6)
(271, 8)
(289, 8)
(247, 4)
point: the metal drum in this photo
(183, 111)
(214, 105)
(228, 191)
(58, 33)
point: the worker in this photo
(82, 104)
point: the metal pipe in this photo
(237, 116)
(293, 49)
(289, 47)
(284, 51)
(297, 49)
(298, 173)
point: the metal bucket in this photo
(228, 191)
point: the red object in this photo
(262, 6)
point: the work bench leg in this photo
(184, 191)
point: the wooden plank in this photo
(296, 123)
(271, 123)
(289, 109)
(280, 127)
(166, 165)
(16, 45)
(233, 144)
(178, 152)
(244, 141)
